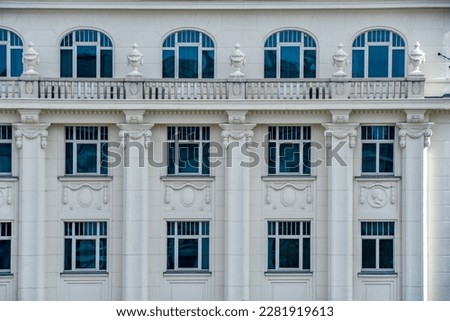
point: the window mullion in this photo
(175, 240)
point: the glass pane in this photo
(188, 162)
(5, 254)
(188, 253)
(309, 64)
(270, 64)
(398, 63)
(271, 254)
(5, 158)
(69, 158)
(16, 62)
(85, 254)
(205, 160)
(170, 253)
(289, 253)
(171, 158)
(386, 254)
(306, 254)
(67, 254)
(86, 158)
(106, 63)
(289, 158)
(307, 158)
(188, 62)
(102, 259)
(369, 158)
(387, 158)
(358, 63)
(368, 254)
(168, 64)
(272, 158)
(290, 62)
(104, 159)
(3, 64)
(66, 63)
(205, 254)
(208, 64)
(378, 61)
(86, 61)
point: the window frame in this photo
(305, 130)
(177, 236)
(100, 156)
(73, 247)
(72, 44)
(6, 234)
(13, 42)
(378, 142)
(301, 237)
(377, 239)
(6, 135)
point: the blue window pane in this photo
(306, 253)
(16, 62)
(398, 63)
(386, 258)
(168, 64)
(358, 64)
(102, 255)
(106, 64)
(104, 159)
(87, 61)
(386, 158)
(171, 158)
(368, 254)
(67, 254)
(188, 62)
(271, 254)
(66, 63)
(69, 158)
(170, 253)
(290, 62)
(5, 158)
(189, 161)
(369, 158)
(289, 253)
(208, 64)
(289, 158)
(5, 255)
(272, 161)
(85, 254)
(378, 61)
(205, 160)
(307, 158)
(3, 71)
(188, 253)
(205, 254)
(270, 64)
(86, 158)
(309, 64)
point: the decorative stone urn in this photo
(340, 59)
(416, 58)
(30, 59)
(135, 59)
(237, 60)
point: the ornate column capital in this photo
(341, 131)
(415, 131)
(30, 131)
(236, 132)
(135, 132)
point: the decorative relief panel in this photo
(286, 196)
(86, 196)
(378, 196)
(5, 195)
(8, 198)
(192, 196)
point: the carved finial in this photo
(340, 59)
(237, 60)
(135, 59)
(30, 59)
(416, 58)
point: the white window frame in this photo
(5, 237)
(377, 142)
(377, 239)
(95, 237)
(6, 140)
(9, 47)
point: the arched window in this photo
(290, 54)
(188, 54)
(378, 53)
(11, 49)
(86, 53)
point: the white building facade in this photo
(310, 162)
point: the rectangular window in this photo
(188, 246)
(188, 62)
(86, 61)
(289, 150)
(168, 64)
(378, 61)
(289, 245)
(5, 247)
(270, 63)
(378, 149)
(5, 149)
(85, 246)
(208, 64)
(16, 62)
(398, 63)
(309, 64)
(377, 246)
(188, 150)
(290, 62)
(66, 64)
(358, 63)
(86, 150)
(3, 61)
(106, 63)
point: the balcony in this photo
(246, 89)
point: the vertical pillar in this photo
(414, 141)
(340, 139)
(31, 140)
(236, 135)
(135, 140)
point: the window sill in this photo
(187, 273)
(187, 177)
(8, 178)
(279, 177)
(377, 177)
(6, 275)
(281, 273)
(84, 273)
(377, 274)
(76, 178)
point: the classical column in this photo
(236, 134)
(135, 139)
(340, 139)
(31, 140)
(414, 142)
